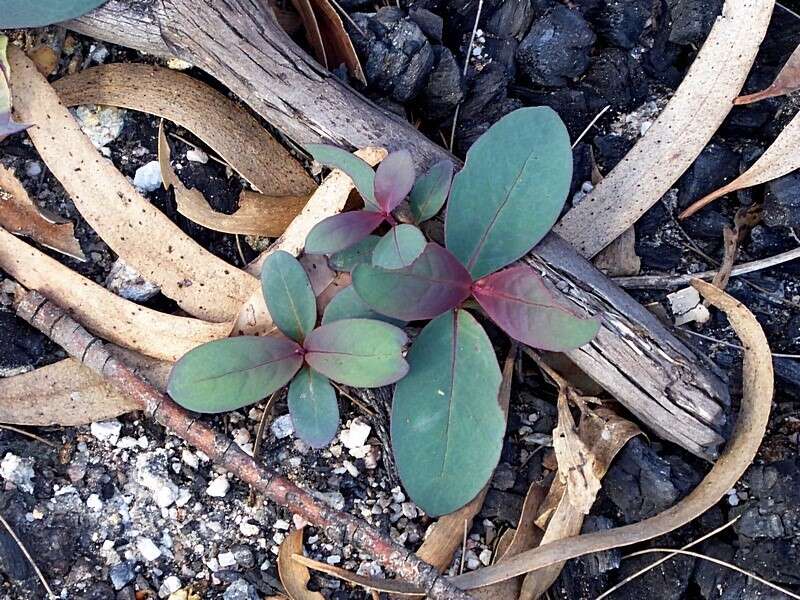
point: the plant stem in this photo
(340, 527)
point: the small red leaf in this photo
(394, 180)
(518, 300)
(341, 231)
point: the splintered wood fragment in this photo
(228, 129)
(340, 527)
(257, 214)
(19, 215)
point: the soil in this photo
(121, 509)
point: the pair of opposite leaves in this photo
(227, 374)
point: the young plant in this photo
(16, 14)
(447, 426)
(7, 124)
(383, 191)
(227, 374)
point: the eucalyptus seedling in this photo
(234, 372)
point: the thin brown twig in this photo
(340, 527)
(590, 125)
(33, 436)
(28, 556)
(262, 423)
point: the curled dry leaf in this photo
(329, 199)
(758, 387)
(202, 284)
(778, 160)
(604, 434)
(257, 214)
(222, 124)
(19, 215)
(113, 318)
(294, 575)
(787, 81)
(67, 393)
(398, 588)
(678, 136)
(328, 37)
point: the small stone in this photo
(170, 585)
(782, 201)
(94, 503)
(333, 559)
(126, 282)
(99, 53)
(121, 574)
(102, 124)
(106, 431)
(196, 155)
(178, 64)
(148, 549)
(190, 459)
(218, 487)
(485, 557)
(284, 525)
(226, 559)
(240, 590)
(244, 556)
(148, 177)
(248, 529)
(33, 168)
(151, 473)
(282, 427)
(355, 436)
(18, 471)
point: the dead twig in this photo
(33, 436)
(339, 527)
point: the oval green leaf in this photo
(510, 191)
(16, 14)
(342, 231)
(399, 247)
(314, 409)
(358, 352)
(430, 191)
(447, 426)
(227, 374)
(288, 294)
(359, 171)
(394, 180)
(347, 304)
(349, 259)
(518, 300)
(431, 285)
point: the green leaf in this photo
(399, 247)
(510, 191)
(349, 259)
(288, 294)
(16, 14)
(347, 304)
(359, 171)
(313, 406)
(227, 374)
(358, 352)
(447, 426)
(430, 191)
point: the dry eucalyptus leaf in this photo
(751, 424)
(228, 129)
(67, 393)
(257, 214)
(202, 284)
(787, 81)
(389, 586)
(680, 133)
(105, 314)
(294, 575)
(328, 37)
(329, 199)
(780, 159)
(19, 215)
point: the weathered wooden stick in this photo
(340, 527)
(637, 360)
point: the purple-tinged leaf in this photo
(394, 180)
(349, 259)
(341, 231)
(288, 295)
(314, 409)
(227, 374)
(430, 191)
(399, 248)
(358, 352)
(518, 300)
(358, 170)
(431, 285)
